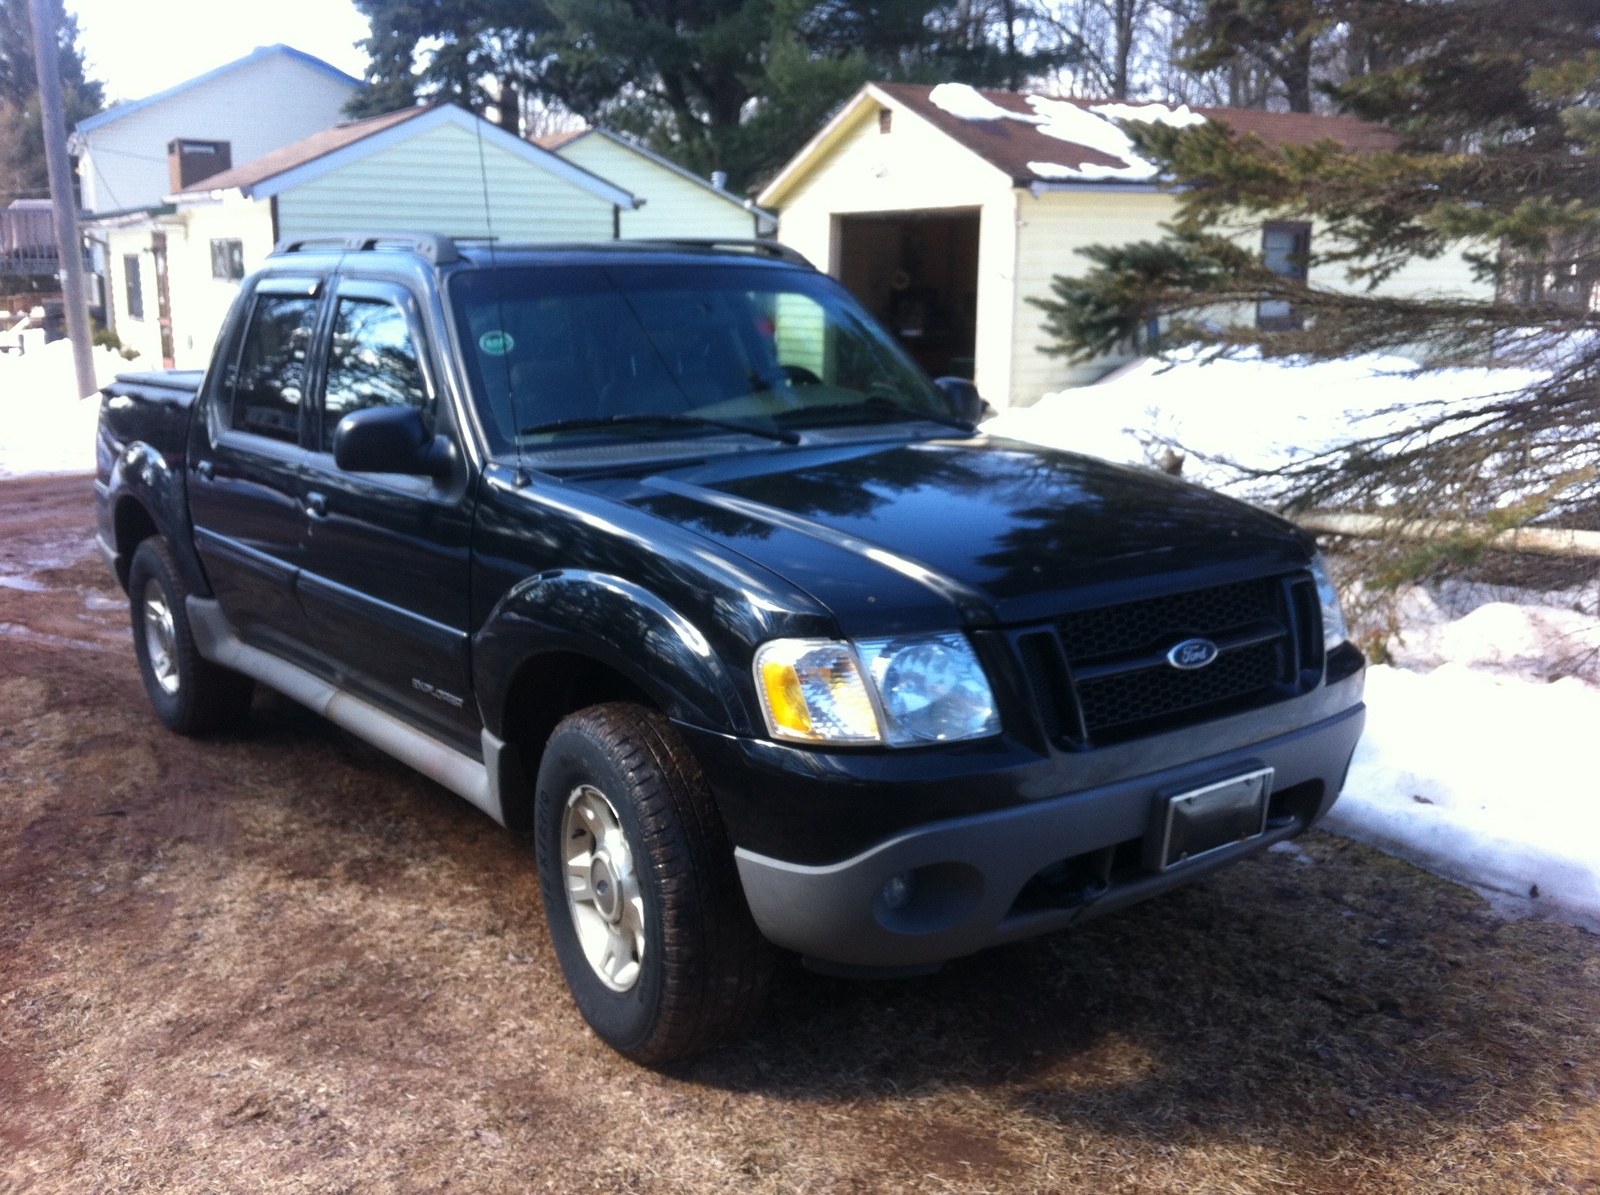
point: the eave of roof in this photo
(101, 119)
(127, 217)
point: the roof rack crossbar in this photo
(435, 247)
(770, 248)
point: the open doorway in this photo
(918, 273)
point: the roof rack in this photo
(770, 248)
(434, 246)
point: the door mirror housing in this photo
(391, 439)
(965, 401)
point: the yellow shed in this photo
(945, 209)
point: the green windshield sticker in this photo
(497, 343)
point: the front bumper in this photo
(971, 871)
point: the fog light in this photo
(898, 890)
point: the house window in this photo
(135, 286)
(885, 120)
(1285, 250)
(227, 260)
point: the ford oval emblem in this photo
(1192, 654)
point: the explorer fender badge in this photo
(423, 686)
(1192, 654)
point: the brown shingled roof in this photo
(308, 149)
(1010, 145)
(554, 141)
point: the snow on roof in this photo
(1036, 138)
(100, 119)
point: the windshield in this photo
(566, 354)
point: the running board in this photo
(460, 773)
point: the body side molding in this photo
(477, 781)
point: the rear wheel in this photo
(646, 912)
(189, 693)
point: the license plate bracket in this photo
(1191, 824)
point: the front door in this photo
(158, 250)
(386, 573)
(246, 460)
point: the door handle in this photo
(317, 505)
(206, 470)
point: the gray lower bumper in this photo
(969, 871)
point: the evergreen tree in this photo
(22, 165)
(734, 85)
(1497, 104)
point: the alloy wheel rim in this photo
(160, 636)
(603, 893)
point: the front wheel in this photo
(645, 908)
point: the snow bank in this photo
(44, 427)
(1245, 411)
(1488, 780)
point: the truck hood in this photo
(891, 535)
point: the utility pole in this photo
(68, 246)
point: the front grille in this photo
(1147, 624)
(1112, 681)
(1130, 697)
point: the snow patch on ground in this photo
(1485, 779)
(1478, 759)
(45, 427)
(1240, 412)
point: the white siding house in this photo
(257, 104)
(678, 203)
(946, 215)
(437, 169)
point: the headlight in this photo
(904, 692)
(1334, 629)
(932, 689)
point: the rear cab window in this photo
(265, 388)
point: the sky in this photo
(139, 47)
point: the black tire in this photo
(190, 694)
(704, 969)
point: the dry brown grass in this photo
(280, 962)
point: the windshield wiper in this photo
(605, 421)
(881, 405)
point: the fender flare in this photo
(621, 625)
(142, 475)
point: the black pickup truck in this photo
(666, 556)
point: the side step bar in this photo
(461, 774)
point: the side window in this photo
(272, 367)
(135, 287)
(371, 363)
(227, 260)
(1285, 247)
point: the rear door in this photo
(247, 461)
(387, 556)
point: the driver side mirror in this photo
(391, 439)
(965, 401)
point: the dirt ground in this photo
(281, 962)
